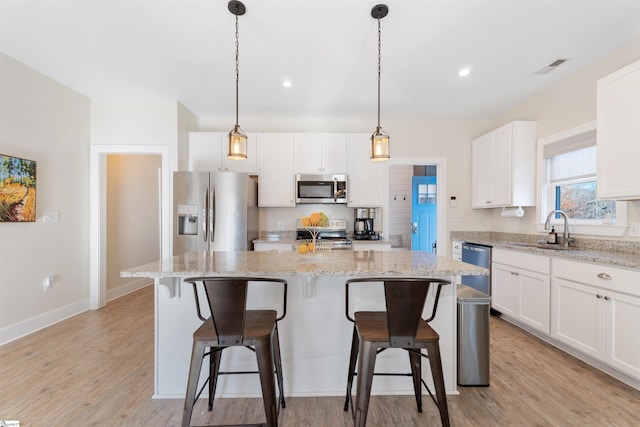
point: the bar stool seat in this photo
(400, 326)
(232, 325)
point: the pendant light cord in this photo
(237, 67)
(379, 60)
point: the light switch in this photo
(51, 216)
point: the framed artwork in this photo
(17, 189)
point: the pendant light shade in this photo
(237, 144)
(379, 139)
(379, 145)
(237, 137)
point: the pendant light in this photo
(379, 138)
(237, 137)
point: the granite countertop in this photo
(288, 264)
(609, 252)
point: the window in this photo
(568, 177)
(572, 186)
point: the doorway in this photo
(398, 213)
(424, 214)
(98, 208)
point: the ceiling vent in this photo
(555, 64)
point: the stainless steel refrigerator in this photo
(214, 211)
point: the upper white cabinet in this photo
(208, 152)
(320, 153)
(503, 166)
(276, 177)
(366, 178)
(618, 140)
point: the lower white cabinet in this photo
(596, 310)
(520, 287)
(273, 246)
(370, 246)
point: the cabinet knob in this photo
(598, 296)
(604, 276)
(488, 201)
(606, 298)
(514, 273)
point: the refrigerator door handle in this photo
(212, 213)
(205, 222)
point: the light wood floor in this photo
(96, 369)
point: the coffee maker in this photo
(363, 224)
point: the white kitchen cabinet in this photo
(273, 246)
(456, 250)
(503, 166)
(618, 121)
(208, 152)
(276, 186)
(520, 287)
(596, 310)
(320, 153)
(366, 177)
(363, 245)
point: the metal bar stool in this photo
(400, 326)
(231, 324)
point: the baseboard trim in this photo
(29, 326)
(128, 288)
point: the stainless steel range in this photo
(335, 232)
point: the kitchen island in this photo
(315, 336)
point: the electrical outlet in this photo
(280, 225)
(514, 225)
(48, 284)
(634, 229)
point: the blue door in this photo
(423, 213)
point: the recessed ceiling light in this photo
(464, 72)
(287, 83)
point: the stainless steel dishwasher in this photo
(477, 255)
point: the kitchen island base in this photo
(315, 339)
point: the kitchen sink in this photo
(542, 245)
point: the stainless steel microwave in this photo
(327, 188)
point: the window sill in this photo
(610, 230)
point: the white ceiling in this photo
(184, 50)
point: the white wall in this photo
(44, 121)
(133, 217)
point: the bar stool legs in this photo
(277, 357)
(435, 362)
(355, 343)
(265, 369)
(197, 354)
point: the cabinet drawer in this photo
(616, 279)
(537, 263)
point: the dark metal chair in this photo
(231, 324)
(400, 326)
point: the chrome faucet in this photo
(565, 234)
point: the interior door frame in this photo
(97, 212)
(441, 209)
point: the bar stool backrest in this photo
(228, 302)
(405, 302)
